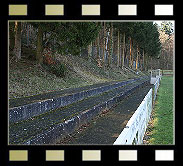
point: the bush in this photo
(58, 69)
(52, 65)
(28, 53)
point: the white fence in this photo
(155, 89)
(154, 75)
(135, 129)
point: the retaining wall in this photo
(59, 131)
(34, 109)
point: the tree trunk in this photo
(130, 52)
(107, 47)
(39, 50)
(110, 46)
(137, 58)
(104, 46)
(147, 63)
(118, 50)
(123, 54)
(90, 52)
(98, 45)
(28, 33)
(132, 55)
(143, 61)
(17, 46)
(99, 62)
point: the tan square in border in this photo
(127, 155)
(91, 155)
(130, 10)
(18, 155)
(88, 10)
(54, 155)
(56, 10)
(15, 10)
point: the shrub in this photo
(52, 65)
(59, 69)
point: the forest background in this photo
(46, 56)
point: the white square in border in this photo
(164, 155)
(161, 10)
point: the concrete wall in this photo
(59, 131)
(34, 109)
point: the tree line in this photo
(121, 44)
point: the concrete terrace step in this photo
(39, 104)
(105, 128)
(56, 124)
(16, 102)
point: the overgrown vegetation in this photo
(27, 78)
(55, 55)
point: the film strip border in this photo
(89, 155)
(90, 10)
(65, 154)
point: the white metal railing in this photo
(134, 131)
(155, 74)
(156, 86)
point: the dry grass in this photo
(27, 78)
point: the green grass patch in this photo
(162, 125)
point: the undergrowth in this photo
(27, 78)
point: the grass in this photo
(27, 78)
(161, 125)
